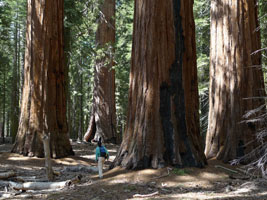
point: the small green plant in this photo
(179, 172)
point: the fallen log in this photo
(43, 185)
(39, 185)
(7, 175)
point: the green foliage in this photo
(202, 22)
(80, 44)
(12, 31)
(124, 30)
(179, 172)
(80, 27)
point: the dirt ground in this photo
(212, 182)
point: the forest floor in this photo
(211, 182)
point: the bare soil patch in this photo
(210, 182)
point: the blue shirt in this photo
(97, 152)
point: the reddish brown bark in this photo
(43, 108)
(103, 116)
(163, 121)
(236, 78)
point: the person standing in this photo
(101, 154)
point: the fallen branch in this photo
(240, 177)
(146, 195)
(227, 169)
(43, 185)
(247, 173)
(7, 175)
(103, 190)
(168, 173)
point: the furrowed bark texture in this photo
(43, 107)
(103, 115)
(163, 121)
(236, 78)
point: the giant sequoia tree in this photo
(103, 115)
(43, 109)
(163, 121)
(236, 78)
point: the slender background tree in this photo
(103, 115)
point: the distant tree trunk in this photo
(43, 108)
(103, 115)
(8, 124)
(81, 118)
(1, 130)
(15, 86)
(4, 107)
(163, 120)
(236, 78)
(67, 49)
(74, 133)
(22, 45)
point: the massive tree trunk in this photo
(103, 115)
(43, 108)
(236, 78)
(163, 120)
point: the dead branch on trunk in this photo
(7, 175)
(237, 171)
